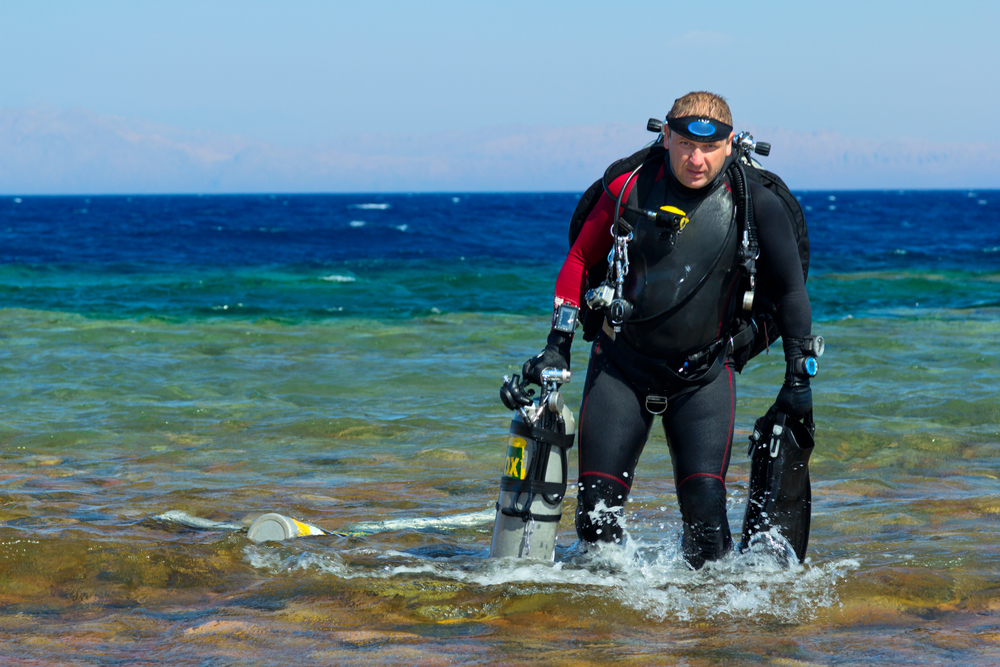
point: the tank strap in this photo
(553, 492)
(527, 515)
(532, 486)
(563, 441)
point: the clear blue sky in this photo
(298, 73)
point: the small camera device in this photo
(600, 298)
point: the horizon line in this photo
(408, 193)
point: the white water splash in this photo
(649, 577)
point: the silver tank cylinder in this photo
(532, 490)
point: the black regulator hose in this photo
(621, 192)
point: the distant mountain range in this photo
(48, 151)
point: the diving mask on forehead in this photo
(700, 128)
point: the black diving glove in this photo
(555, 355)
(795, 398)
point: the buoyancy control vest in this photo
(756, 326)
(681, 285)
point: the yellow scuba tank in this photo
(533, 481)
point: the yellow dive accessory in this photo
(681, 218)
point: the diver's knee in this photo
(702, 499)
(599, 511)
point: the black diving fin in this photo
(780, 496)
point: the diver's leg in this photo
(699, 427)
(613, 429)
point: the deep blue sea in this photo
(393, 256)
(337, 358)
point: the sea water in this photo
(337, 358)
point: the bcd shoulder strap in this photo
(650, 156)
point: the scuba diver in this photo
(673, 322)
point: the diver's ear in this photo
(729, 144)
(666, 137)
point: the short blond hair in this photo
(702, 103)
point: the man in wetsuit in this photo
(673, 354)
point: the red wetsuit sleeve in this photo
(591, 246)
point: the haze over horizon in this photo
(446, 96)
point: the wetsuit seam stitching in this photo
(609, 476)
(700, 474)
(732, 421)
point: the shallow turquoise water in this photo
(338, 421)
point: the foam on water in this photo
(372, 207)
(646, 577)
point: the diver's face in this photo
(696, 163)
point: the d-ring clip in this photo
(659, 402)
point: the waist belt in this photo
(655, 375)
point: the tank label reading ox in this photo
(514, 466)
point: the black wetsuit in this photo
(615, 419)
